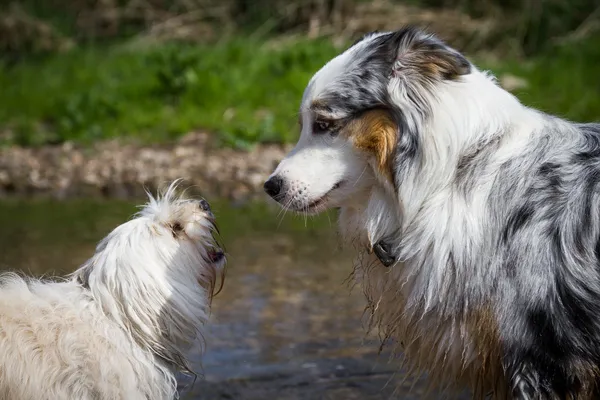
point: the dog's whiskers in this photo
(285, 209)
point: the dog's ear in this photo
(437, 60)
(412, 51)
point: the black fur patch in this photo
(518, 219)
(554, 351)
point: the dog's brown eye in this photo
(176, 228)
(204, 206)
(320, 127)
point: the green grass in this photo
(242, 90)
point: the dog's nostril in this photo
(203, 204)
(273, 186)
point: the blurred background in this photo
(101, 98)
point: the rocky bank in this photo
(122, 170)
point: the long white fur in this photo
(119, 326)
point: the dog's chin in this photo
(213, 261)
(321, 203)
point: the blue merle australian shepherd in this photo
(476, 218)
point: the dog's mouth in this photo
(215, 256)
(212, 278)
(322, 201)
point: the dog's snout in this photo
(204, 206)
(273, 186)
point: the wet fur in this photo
(492, 209)
(119, 326)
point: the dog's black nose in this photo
(204, 205)
(273, 186)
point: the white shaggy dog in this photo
(119, 326)
(477, 218)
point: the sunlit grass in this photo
(243, 91)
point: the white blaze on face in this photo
(323, 170)
(319, 171)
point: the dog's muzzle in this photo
(383, 251)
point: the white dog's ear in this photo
(418, 54)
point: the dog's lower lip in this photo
(316, 203)
(323, 198)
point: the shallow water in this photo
(287, 324)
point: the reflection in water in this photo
(286, 325)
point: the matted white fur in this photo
(119, 326)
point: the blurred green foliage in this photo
(242, 85)
(563, 80)
(242, 90)
(534, 24)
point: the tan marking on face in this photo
(375, 133)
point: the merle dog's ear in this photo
(413, 51)
(445, 62)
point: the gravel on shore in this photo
(117, 170)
